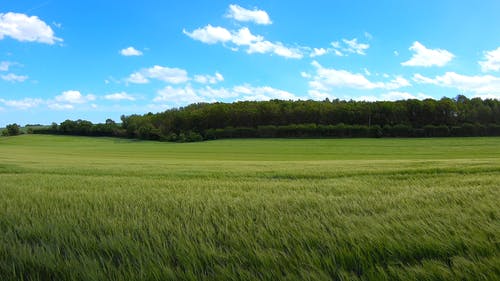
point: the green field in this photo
(74, 208)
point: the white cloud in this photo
(393, 96)
(352, 46)
(119, 96)
(428, 57)
(305, 74)
(11, 77)
(26, 29)
(130, 51)
(243, 37)
(137, 78)
(241, 14)
(166, 74)
(59, 106)
(216, 94)
(488, 96)
(74, 97)
(210, 34)
(249, 92)
(209, 79)
(22, 104)
(491, 61)
(480, 85)
(316, 52)
(178, 96)
(318, 95)
(4, 65)
(342, 48)
(327, 78)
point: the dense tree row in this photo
(276, 118)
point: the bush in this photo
(401, 130)
(193, 137)
(376, 131)
(12, 130)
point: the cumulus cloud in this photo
(491, 61)
(479, 84)
(26, 29)
(325, 79)
(165, 74)
(241, 14)
(74, 97)
(209, 79)
(119, 96)
(130, 51)
(22, 104)
(179, 96)
(243, 38)
(210, 34)
(428, 57)
(11, 77)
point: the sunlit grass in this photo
(360, 209)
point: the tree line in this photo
(278, 118)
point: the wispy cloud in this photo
(209, 79)
(342, 48)
(11, 77)
(157, 72)
(22, 104)
(119, 96)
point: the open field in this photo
(74, 208)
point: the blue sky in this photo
(100, 59)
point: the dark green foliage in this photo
(303, 119)
(12, 130)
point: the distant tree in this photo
(13, 130)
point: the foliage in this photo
(260, 209)
(12, 130)
(303, 119)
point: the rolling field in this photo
(74, 208)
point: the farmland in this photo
(78, 208)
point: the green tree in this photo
(12, 130)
